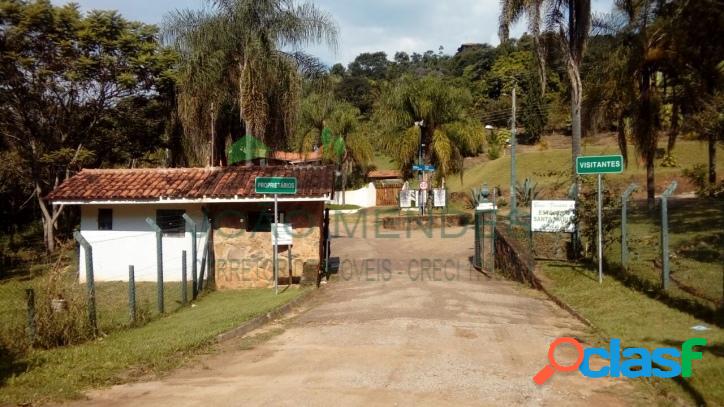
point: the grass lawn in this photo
(335, 207)
(549, 168)
(639, 320)
(157, 347)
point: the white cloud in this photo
(371, 25)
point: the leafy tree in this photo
(449, 133)
(62, 78)
(571, 21)
(514, 10)
(370, 65)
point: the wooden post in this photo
(159, 264)
(89, 280)
(132, 294)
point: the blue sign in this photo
(423, 168)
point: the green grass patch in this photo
(335, 207)
(64, 373)
(641, 320)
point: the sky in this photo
(370, 25)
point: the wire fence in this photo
(673, 251)
(63, 302)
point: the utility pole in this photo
(513, 142)
(421, 202)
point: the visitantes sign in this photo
(275, 185)
(553, 216)
(599, 164)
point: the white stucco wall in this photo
(364, 197)
(133, 242)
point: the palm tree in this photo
(570, 20)
(511, 12)
(449, 133)
(240, 42)
(321, 113)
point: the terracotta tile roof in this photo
(384, 174)
(187, 183)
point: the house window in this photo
(261, 221)
(105, 219)
(171, 222)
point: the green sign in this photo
(275, 185)
(599, 164)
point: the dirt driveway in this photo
(388, 332)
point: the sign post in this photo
(599, 165)
(277, 186)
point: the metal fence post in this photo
(132, 294)
(194, 256)
(478, 253)
(90, 281)
(184, 294)
(32, 329)
(624, 223)
(159, 263)
(665, 235)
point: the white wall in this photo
(365, 197)
(133, 242)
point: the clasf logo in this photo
(630, 363)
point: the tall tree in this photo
(247, 42)
(61, 76)
(514, 10)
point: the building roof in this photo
(384, 174)
(212, 183)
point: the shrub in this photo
(699, 177)
(587, 216)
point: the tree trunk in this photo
(674, 130)
(49, 220)
(576, 102)
(712, 163)
(650, 184)
(213, 135)
(344, 185)
(622, 142)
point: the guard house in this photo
(233, 223)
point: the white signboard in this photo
(553, 216)
(486, 206)
(406, 198)
(283, 233)
(438, 197)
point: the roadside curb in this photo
(262, 320)
(541, 285)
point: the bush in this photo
(495, 140)
(698, 175)
(587, 216)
